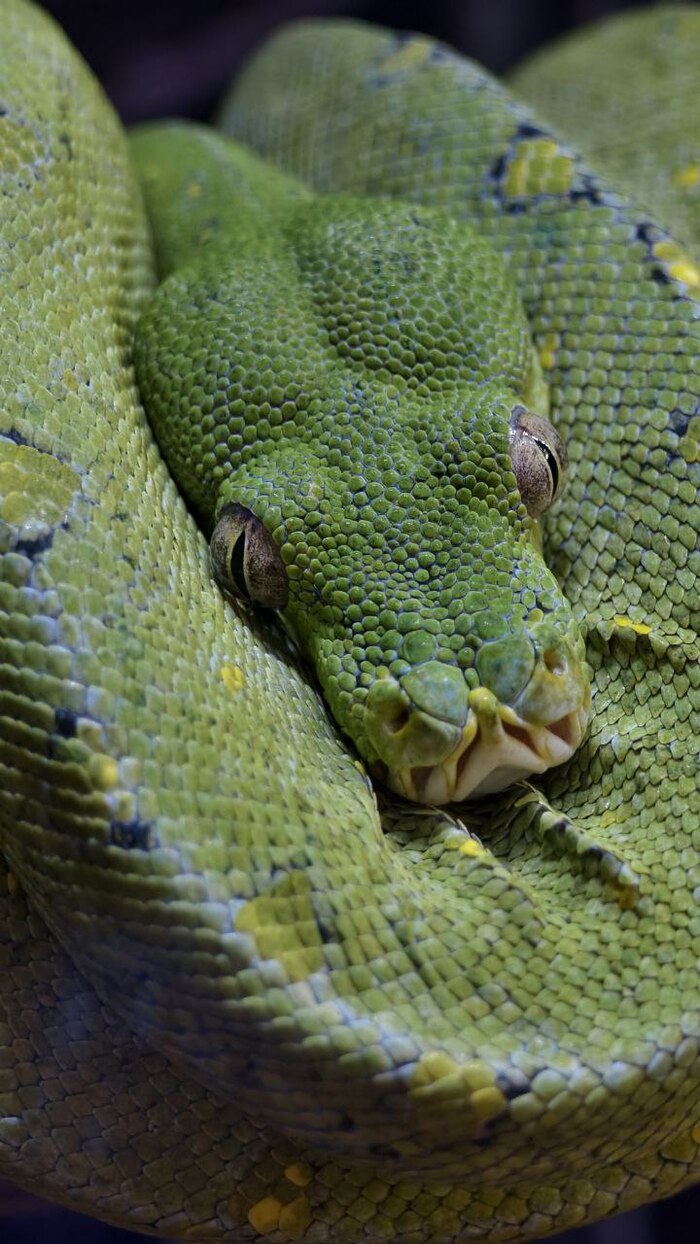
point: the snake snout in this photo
(405, 729)
(439, 741)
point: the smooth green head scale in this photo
(344, 390)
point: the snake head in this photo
(438, 740)
(346, 397)
(442, 643)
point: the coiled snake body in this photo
(474, 1022)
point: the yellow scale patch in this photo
(283, 926)
(103, 771)
(409, 56)
(271, 1214)
(539, 167)
(232, 677)
(640, 628)
(689, 445)
(678, 263)
(548, 350)
(686, 178)
(34, 487)
(467, 846)
(437, 1075)
(299, 1173)
(472, 849)
(276, 1213)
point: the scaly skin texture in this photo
(348, 370)
(654, 92)
(484, 1027)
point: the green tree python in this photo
(262, 976)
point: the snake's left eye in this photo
(539, 460)
(245, 559)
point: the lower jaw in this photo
(491, 755)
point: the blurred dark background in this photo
(162, 59)
(157, 60)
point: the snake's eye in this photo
(539, 460)
(245, 559)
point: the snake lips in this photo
(487, 745)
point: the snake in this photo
(349, 804)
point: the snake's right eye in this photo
(245, 559)
(539, 460)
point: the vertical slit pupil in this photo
(552, 464)
(236, 565)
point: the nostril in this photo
(397, 722)
(554, 662)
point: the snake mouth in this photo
(497, 747)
